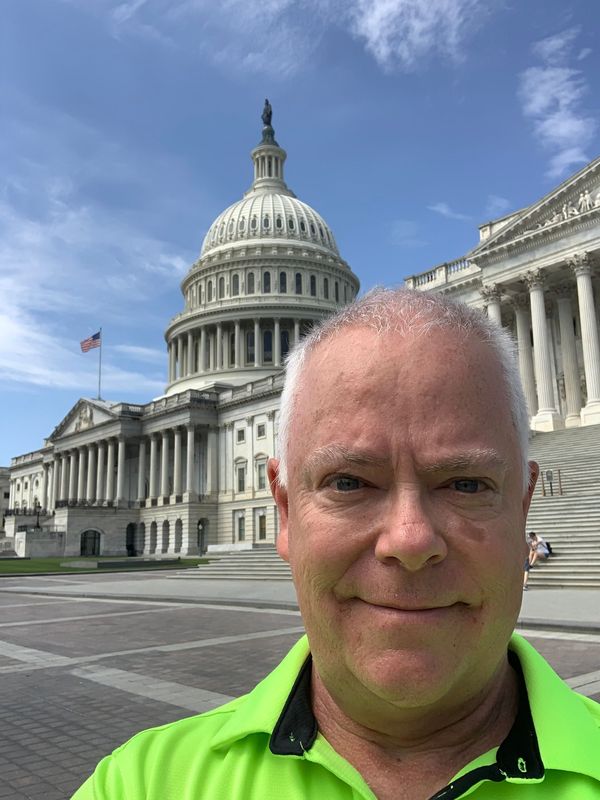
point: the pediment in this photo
(575, 200)
(84, 414)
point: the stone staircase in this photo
(262, 563)
(571, 520)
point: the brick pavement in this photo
(80, 676)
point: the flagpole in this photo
(100, 368)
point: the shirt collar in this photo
(554, 728)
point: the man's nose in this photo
(408, 533)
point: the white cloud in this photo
(445, 210)
(401, 33)
(496, 206)
(551, 96)
(405, 233)
(69, 265)
(279, 37)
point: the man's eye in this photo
(468, 485)
(345, 483)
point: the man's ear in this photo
(281, 499)
(534, 471)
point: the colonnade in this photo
(222, 345)
(95, 474)
(535, 363)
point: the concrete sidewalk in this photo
(550, 609)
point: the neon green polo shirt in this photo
(266, 746)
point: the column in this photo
(54, 485)
(141, 492)
(91, 474)
(73, 475)
(44, 495)
(236, 346)
(190, 354)
(522, 316)
(64, 491)
(547, 417)
(170, 351)
(569, 357)
(296, 331)
(164, 464)
(121, 470)
(211, 351)
(178, 358)
(110, 471)
(100, 494)
(277, 344)
(491, 297)
(256, 343)
(152, 489)
(81, 464)
(219, 346)
(582, 267)
(202, 354)
(273, 437)
(190, 459)
(177, 462)
(211, 461)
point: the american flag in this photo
(92, 341)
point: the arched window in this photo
(250, 283)
(209, 291)
(266, 221)
(326, 288)
(221, 231)
(221, 288)
(298, 283)
(242, 224)
(230, 227)
(337, 292)
(267, 347)
(279, 222)
(313, 286)
(283, 282)
(232, 358)
(303, 226)
(313, 230)
(267, 282)
(235, 285)
(291, 224)
(285, 343)
(253, 223)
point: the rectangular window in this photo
(262, 527)
(241, 435)
(241, 529)
(241, 479)
(260, 430)
(262, 476)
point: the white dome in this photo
(269, 216)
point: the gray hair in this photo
(406, 311)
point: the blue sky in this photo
(127, 127)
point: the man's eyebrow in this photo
(467, 461)
(337, 453)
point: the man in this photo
(403, 489)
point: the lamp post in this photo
(38, 508)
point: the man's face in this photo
(404, 516)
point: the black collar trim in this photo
(518, 756)
(296, 729)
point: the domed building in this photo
(268, 269)
(187, 471)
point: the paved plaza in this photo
(86, 661)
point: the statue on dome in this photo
(267, 113)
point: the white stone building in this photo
(537, 272)
(188, 470)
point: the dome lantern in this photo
(268, 158)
